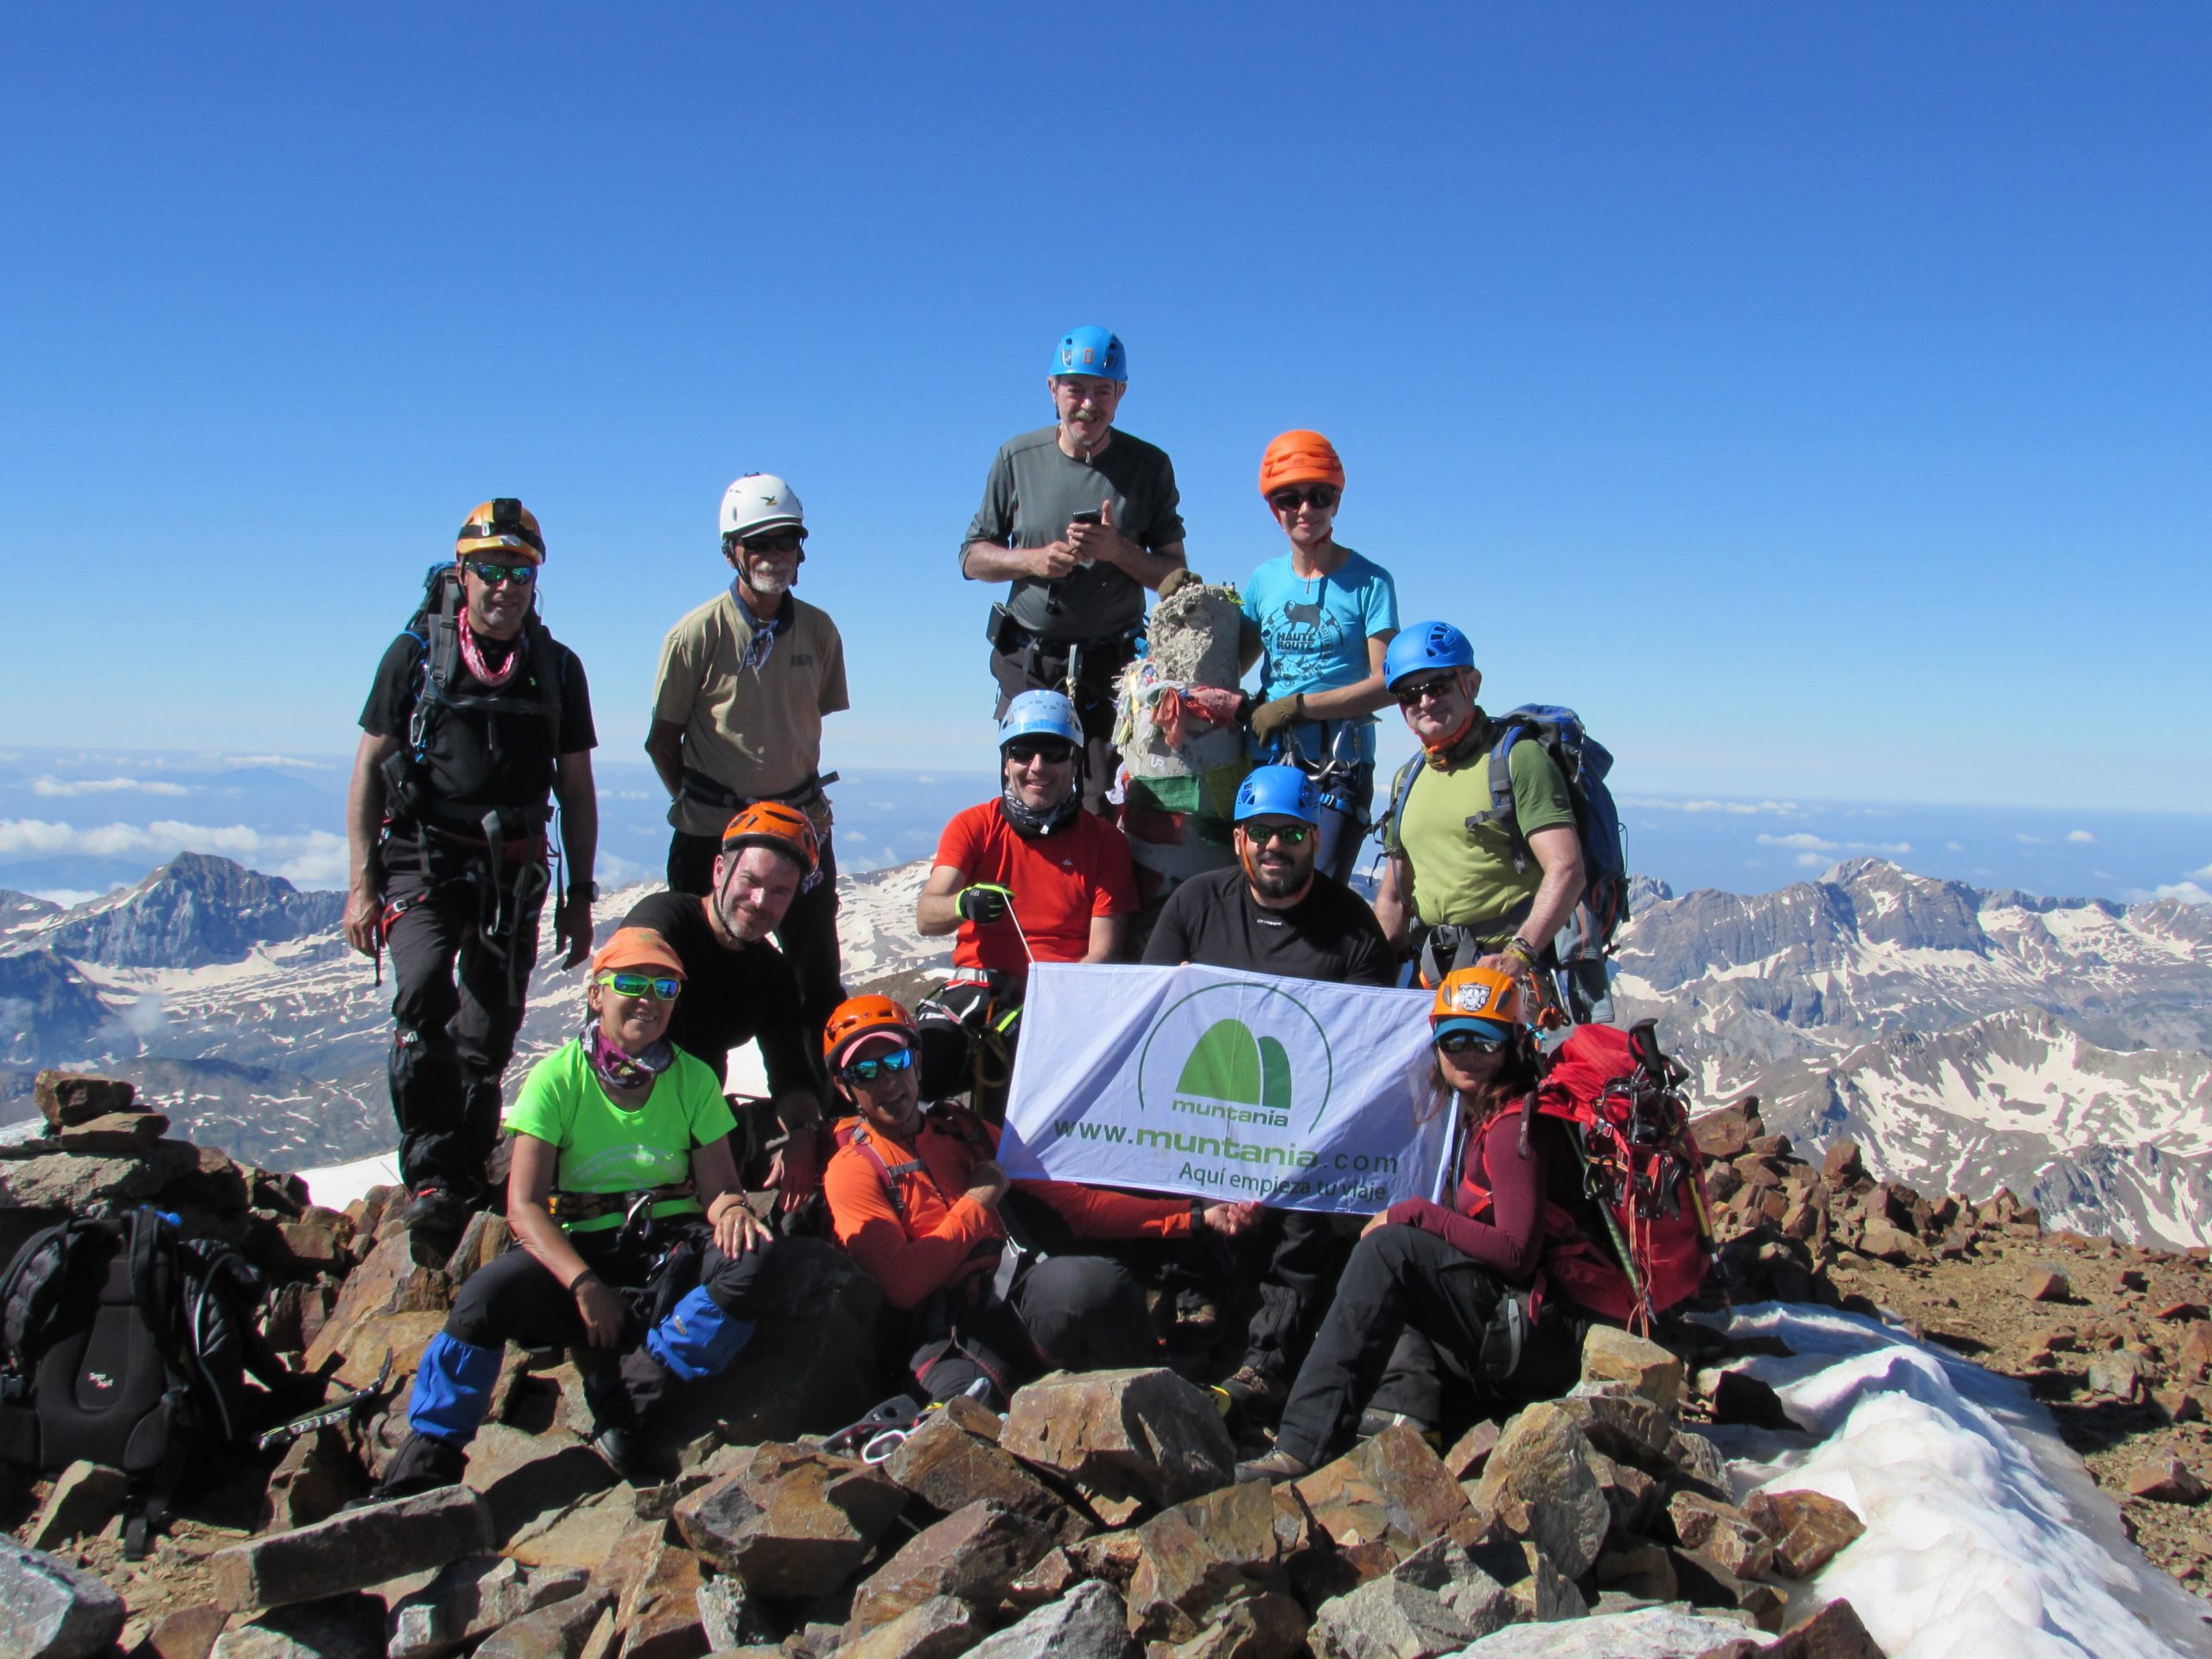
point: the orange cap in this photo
(1300, 457)
(638, 948)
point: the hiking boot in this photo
(1198, 1320)
(616, 1444)
(1277, 1466)
(436, 1216)
(1258, 1395)
(1375, 1420)
(423, 1463)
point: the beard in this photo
(768, 584)
(1285, 882)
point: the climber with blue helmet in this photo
(1323, 616)
(1273, 912)
(1466, 885)
(1081, 520)
(1028, 877)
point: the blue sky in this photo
(1816, 397)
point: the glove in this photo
(983, 903)
(1175, 581)
(1271, 719)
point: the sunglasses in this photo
(640, 984)
(493, 575)
(878, 1065)
(1024, 750)
(784, 540)
(1465, 1042)
(1323, 496)
(1434, 689)
(1291, 834)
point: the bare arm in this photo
(1391, 901)
(937, 912)
(714, 1174)
(989, 562)
(1343, 702)
(1106, 935)
(363, 824)
(665, 746)
(579, 797)
(1559, 853)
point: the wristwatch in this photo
(588, 889)
(1197, 1215)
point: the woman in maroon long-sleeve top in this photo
(1426, 1276)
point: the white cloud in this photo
(67, 898)
(1734, 808)
(1954, 846)
(1811, 860)
(2027, 840)
(1892, 847)
(2206, 873)
(51, 786)
(2081, 835)
(2188, 891)
(1809, 843)
(315, 858)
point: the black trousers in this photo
(808, 937)
(458, 998)
(1068, 1312)
(516, 1299)
(1398, 1277)
(1046, 670)
(1306, 1252)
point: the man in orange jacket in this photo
(992, 1271)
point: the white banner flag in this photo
(1220, 1085)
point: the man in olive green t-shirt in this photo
(1490, 892)
(744, 682)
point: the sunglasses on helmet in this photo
(626, 984)
(877, 1065)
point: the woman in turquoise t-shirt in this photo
(1323, 616)
(610, 1129)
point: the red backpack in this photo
(1618, 1101)
(1622, 1100)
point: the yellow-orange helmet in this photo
(1485, 1000)
(1300, 457)
(502, 525)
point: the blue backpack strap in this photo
(1501, 795)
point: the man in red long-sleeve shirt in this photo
(921, 1203)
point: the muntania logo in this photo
(1233, 1068)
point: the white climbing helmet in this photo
(759, 501)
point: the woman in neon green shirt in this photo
(611, 1128)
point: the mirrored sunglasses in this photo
(640, 984)
(1291, 834)
(1465, 1042)
(878, 1065)
(493, 575)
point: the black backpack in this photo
(123, 1343)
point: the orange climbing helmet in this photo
(772, 824)
(1489, 1003)
(501, 525)
(1300, 457)
(859, 1017)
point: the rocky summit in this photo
(1096, 1516)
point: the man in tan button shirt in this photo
(744, 682)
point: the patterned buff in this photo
(1030, 822)
(472, 655)
(763, 643)
(620, 1070)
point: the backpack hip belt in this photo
(565, 1206)
(696, 786)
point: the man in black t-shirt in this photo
(740, 989)
(1275, 913)
(479, 719)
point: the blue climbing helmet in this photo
(1091, 350)
(1041, 714)
(1425, 645)
(1278, 792)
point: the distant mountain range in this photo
(1966, 1038)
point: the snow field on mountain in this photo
(1985, 1536)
